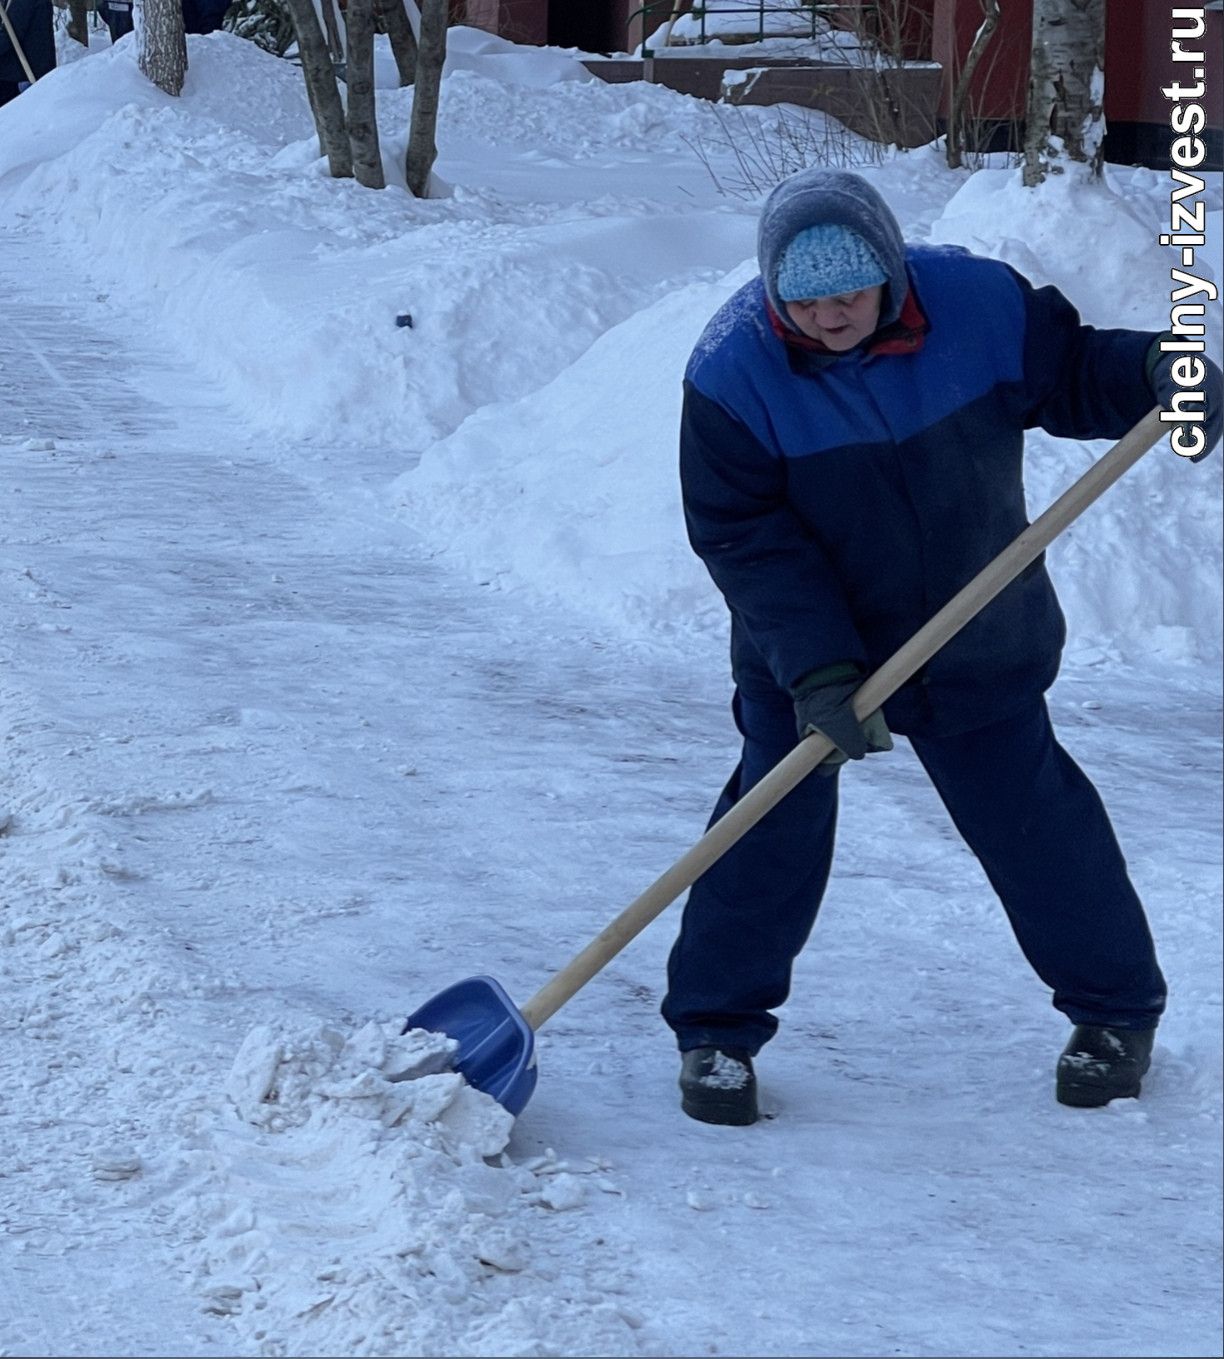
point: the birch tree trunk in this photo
(402, 38)
(1066, 88)
(422, 136)
(321, 89)
(362, 122)
(161, 45)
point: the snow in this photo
(726, 1073)
(343, 660)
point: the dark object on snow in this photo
(404, 320)
(718, 1085)
(1101, 1064)
(32, 37)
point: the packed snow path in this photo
(268, 765)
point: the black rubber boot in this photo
(718, 1085)
(1100, 1064)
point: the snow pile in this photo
(352, 1197)
(215, 216)
(602, 500)
(273, 1082)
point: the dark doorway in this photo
(588, 24)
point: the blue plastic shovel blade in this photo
(496, 1044)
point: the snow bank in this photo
(574, 488)
(358, 1203)
(213, 216)
(598, 524)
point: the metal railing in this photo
(810, 10)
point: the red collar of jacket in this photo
(902, 336)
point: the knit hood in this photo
(818, 197)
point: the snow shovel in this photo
(496, 1039)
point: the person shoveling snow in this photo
(851, 455)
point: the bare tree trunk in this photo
(78, 22)
(161, 45)
(403, 39)
(1066, 88)
(321, 89)
(422, 136)
(955, 146)
(362, 122)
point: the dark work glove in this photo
(823, 704)
(1160, 376)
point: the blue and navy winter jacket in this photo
(839, 501)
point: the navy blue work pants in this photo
(1024, 807)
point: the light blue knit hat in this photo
(826, 261)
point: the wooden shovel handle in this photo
(766, 794)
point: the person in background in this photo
(199, 16)
(27, 39)
(203, 16)
(851, 455)
(117, 16)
